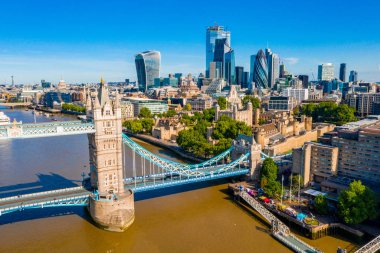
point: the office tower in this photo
(251, 68)
(239, 72)
(179, 77)
(305, 80)
(147, 68)
(325, 72)
(260, 74)
(342, 72)
(213, 33)
(353, 76)
(45, 84)
(229, 67)
(224, 58)
(273, 67)
(283, 71)
(245, 79)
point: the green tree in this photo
(329, 112)
(222, 102)
(308, 109)
(320, 204)
(296, 183)
(273, 188)
(170, 113)
(254, 100)
(134, 126)
(209, 114)
(187, 107)
(145, 113)
(147, 125)
(269, 169)
(357, 203)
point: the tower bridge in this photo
(109, 196)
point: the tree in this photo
(209, 114)
(222, 102)
(187, 107)
(134, 126)
(320, 204)
(296, 183)
(147, 125)
(145, 113)
(357, 203)
(273, 188)
(254, 100)
(170, 113)
(329, 112)
(269, 170)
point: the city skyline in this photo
(80, 42)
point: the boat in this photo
(4, 119)
(54, 119)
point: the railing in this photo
(41, 193)
(371, 247)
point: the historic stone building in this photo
(167, 129)
(112, 207)
(243, 115)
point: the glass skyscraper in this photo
(273, 63)
(326, 72)
(353, 76)
(147, 68)
(260, 74)
(342, 72)
(213, 33)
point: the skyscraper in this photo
(224, 58)
(260, 74)
(342, 72)
(239, 75)
(147, 68)
(251, 67)
(229, 67)
(283, 71)
(273, 67)
(213, 33)
(325, 72)
(305, 80)
(353, 76)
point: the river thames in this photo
(188, 219)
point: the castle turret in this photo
(256, 118)
(308, 123)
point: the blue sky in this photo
(82, 40)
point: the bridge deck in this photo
(64, 197)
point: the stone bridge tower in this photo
(112, 207)
(244, 144)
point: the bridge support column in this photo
(115, 214)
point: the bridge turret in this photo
(113, 206)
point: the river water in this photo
(187, 219)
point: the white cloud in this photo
(291, 60)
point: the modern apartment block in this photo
(363, 102)
(315, 162)
(351, 151)
(282, 103)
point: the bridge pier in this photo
(116, 214)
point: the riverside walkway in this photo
(279, 230)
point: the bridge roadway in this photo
(74, 196)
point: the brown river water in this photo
(185, 219)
